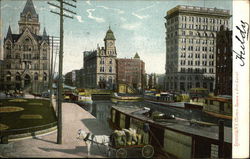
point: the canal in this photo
(101, 110)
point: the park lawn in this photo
(29, 116)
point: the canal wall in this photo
(73, 119)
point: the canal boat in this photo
(116, 98)
(220, 106)
(175, 137)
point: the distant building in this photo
(191, 46)
(131, 72)
(27, 54)
(100, 65)
(155, 81)
(1, 75)
(224, 62)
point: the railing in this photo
(26, 130)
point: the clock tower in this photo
(109, 41)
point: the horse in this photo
(90, 139)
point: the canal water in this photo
(101, 110)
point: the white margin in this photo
(240, 143)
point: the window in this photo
(18, 77)
(8, 66)
(110, 61)
(110, 79)
(44, 66)
(36, 76)
(110, 69)
(101, 69)
(45, 76)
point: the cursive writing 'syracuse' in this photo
(244, 30)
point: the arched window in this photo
(18, 77)
(36, 76)
(45, 76)
(110, 79)
(8, 76)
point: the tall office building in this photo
(191, 46)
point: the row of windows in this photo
(27, 56)
(197, 41)
(25, 47)
(197, 48)
(102, 78)
(18, 76)
(102, 61)
(197, 20)
(190, 55)
(186, 78)
(102, 69)
(197, 70)
(191, 33)
(196, 63)
(26, 66)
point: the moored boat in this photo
(178, 138)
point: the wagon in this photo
(147, 150)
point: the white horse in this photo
(90, 139)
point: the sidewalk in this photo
(74, 118)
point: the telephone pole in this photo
(60, 80)
(54, 43)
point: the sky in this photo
(138, 26)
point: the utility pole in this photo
(60, 80)
(54, 43)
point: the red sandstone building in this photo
(131, 72)
(224, 63)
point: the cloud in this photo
(88, 2)
(131, 26)
(123, 19)
(11, 7)
(52, 7)
(141, 10)
(5, 6)
(119, 11)
(79, 18)
(140, 16)
(97, 19)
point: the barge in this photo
(175, 137)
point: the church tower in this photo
(29, 19)
(109, 41)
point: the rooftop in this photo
(196, 9)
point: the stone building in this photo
(131, 72)
(191, 46)
(1, 75)
(224, 62)
(100, 65)
(27, 54)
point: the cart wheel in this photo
(147, 151)
(121, 153)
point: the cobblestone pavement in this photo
(74, 118)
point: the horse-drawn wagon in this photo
(120, 142)
(127, 139)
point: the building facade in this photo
(224, 62)
(191, 46)
(27, 54)
(1, 75)
(100, 65)
(131, 72)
